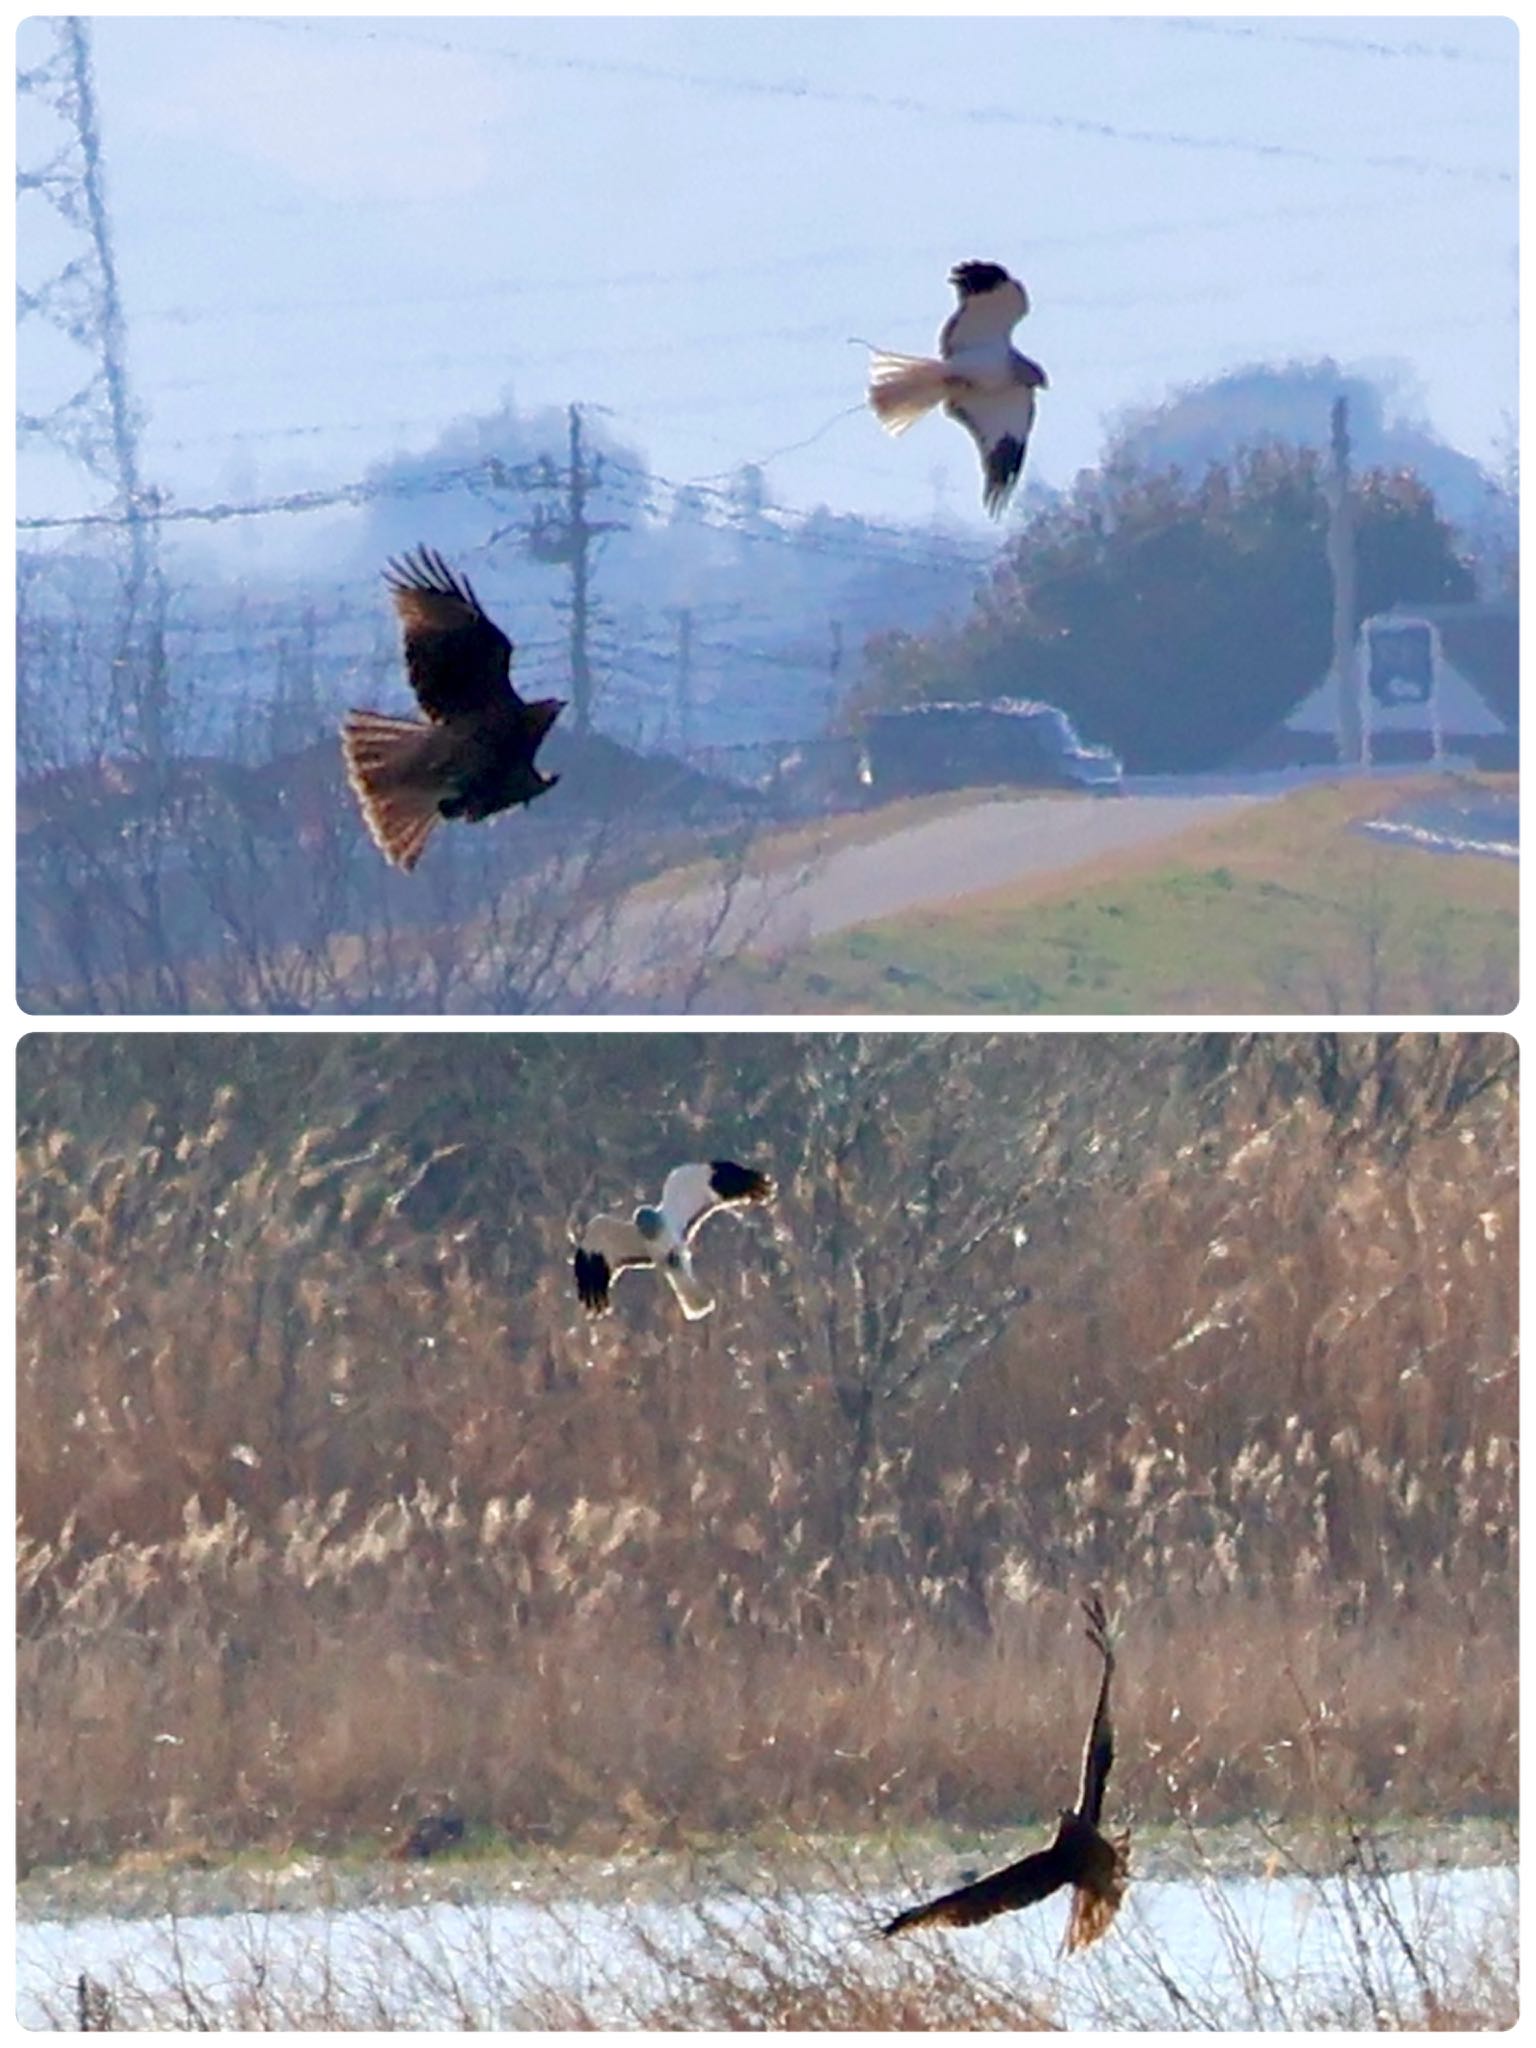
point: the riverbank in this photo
(1241, 1929)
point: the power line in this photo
(482, 470)
(302, 433)
(1349, 45)
(494, 287)
(702, 488)
(640, 489)
(644, 488)
(798, 91)
(320, 500)
(805, 335)
(892, 543)
(805, 332)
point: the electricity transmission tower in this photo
(94, 425)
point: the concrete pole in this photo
(1350, 722)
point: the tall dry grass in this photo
(330, 1507)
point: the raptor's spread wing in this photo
(690, 1193)
(459, 661)
(607, 1246)
(1099, 1749)
(999, 424)
(1023, 1883)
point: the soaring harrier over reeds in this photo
(475, 756)
(979, 377)
(1095, 1865)
(661, 1236)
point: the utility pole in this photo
(1353, 744)
(567, 537)
(834, 669)
(97, 424)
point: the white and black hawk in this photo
(978, 377)
(660, 1236)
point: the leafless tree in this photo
(235, 878)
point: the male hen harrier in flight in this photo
(475, 757)
(979, 377)
(1095, 1865)
(661, 1236)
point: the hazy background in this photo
(571, 301)
(335, 237)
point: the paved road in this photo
(982, 847)
(936, 861)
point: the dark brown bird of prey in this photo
(661, 1236)
(1095, 1865)
(432, 1832)
(475, 756)
(978, 377)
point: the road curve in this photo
(983, 846)
(913, 867)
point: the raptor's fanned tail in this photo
(903, 388)
(398, 809)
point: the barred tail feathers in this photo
(380, 753)
(903, 388)
(1095, 1906)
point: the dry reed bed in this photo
(329, 1505)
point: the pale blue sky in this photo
(338, 235)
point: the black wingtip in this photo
(593, 1275)
(1097, 1630)
(423, 568)
(970, 278)
(733, 1183)
(1004, 462)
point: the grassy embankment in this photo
(1284, 908)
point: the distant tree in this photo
(1505, 565)
(1178, 620)
(905, 1165)
(1291, 402)
(1215, 420)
